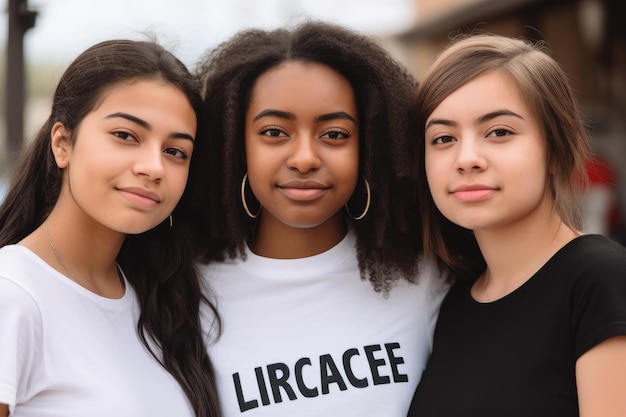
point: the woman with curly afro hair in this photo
(307, 199)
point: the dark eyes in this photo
(500, 132)
(273, 132)
(336, 134)
(443, 140)
(124, 136)
(332, 134)
(497, 133)
(175, 152)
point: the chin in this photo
(136, 228)
(303, 225)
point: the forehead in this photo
(300, 83)
(123, 87)
(484, 94)
(154, 101)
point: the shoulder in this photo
(17, 265)
(10, 253)
(19, 310)
(593, 261)
(15, 260)
(432, 275)
(429, 287)
(21, 324)
(591, 255)
(20, 265)
(595, 267)
(598, 249)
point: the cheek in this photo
(346, 170)
(258, 162)
(257, 172)
(91, 167)
(181, 181)
(436, 181)
(431, 167)
(177, 184)
(531, 170)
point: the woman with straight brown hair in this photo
(535, 324)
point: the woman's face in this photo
(128, 166)
(485, 156)
(302, 144)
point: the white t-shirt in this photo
(308, 337)
(65, 351)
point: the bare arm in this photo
(601, 379)
(4, 410)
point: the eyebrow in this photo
(334, 116)
(146, 125)
(290, 116)
(274, 113)
(481, 119)
(498, 113)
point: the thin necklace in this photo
(67, 270)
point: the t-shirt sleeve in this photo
(599, 301)
(20, 342)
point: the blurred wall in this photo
(587, 37)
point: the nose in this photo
(470, 156)
(149, 162)
(304, 156)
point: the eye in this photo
(500, 132)
(441, 140)
(176, 153)
(273, 132)
(336, 134)
(124, 136)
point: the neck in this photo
(514, 254)
(275, 239)
(81, 249)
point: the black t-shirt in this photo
(516, 356)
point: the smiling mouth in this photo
(474, 195)
(303, 194)
(140, 198)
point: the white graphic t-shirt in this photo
(308, 337)
(65, 351)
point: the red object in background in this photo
(601, 174)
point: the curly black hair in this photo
(389, 237)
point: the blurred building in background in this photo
(587, 37)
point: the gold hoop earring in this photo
(243, 199)
(367, 202)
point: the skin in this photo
(482, 160)
(302, 147)
(484, 133)
(124, 174)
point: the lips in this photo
(303, 190)
(140, 196)
(474, 192)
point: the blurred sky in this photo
(188, 27)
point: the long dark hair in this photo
(388, 238)
(157, 263)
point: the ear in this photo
(60, 144)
